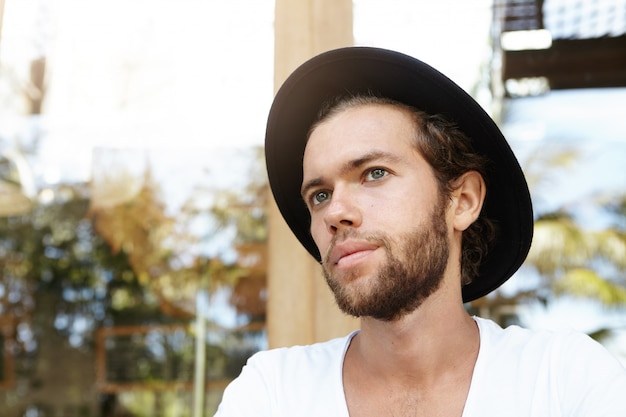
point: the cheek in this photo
(319, 234)
(404, 212)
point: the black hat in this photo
(405, 79)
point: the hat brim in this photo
(410, 81)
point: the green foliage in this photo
(584, 282)
(580, 262)
(54, 249)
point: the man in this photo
(407, 193)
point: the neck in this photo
(437, 338)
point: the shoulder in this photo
(516, 340)
(285, 381)
(565, 372)
(307, 355)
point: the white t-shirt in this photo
(518, 373)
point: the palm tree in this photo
(579, 262)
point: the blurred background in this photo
(141, 258)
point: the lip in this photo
(350, 252)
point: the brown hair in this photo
(450, 154)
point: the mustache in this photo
(372, 237)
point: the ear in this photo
(468, 198)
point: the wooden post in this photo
(301, 309)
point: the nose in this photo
(342, 212)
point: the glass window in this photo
(132, 193)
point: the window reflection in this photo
(99, 302)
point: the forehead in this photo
(362, 128)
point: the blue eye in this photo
(376, 174)
(320, 196)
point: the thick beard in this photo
(408, 277)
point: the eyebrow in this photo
(350, 166)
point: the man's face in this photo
(376, 214)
